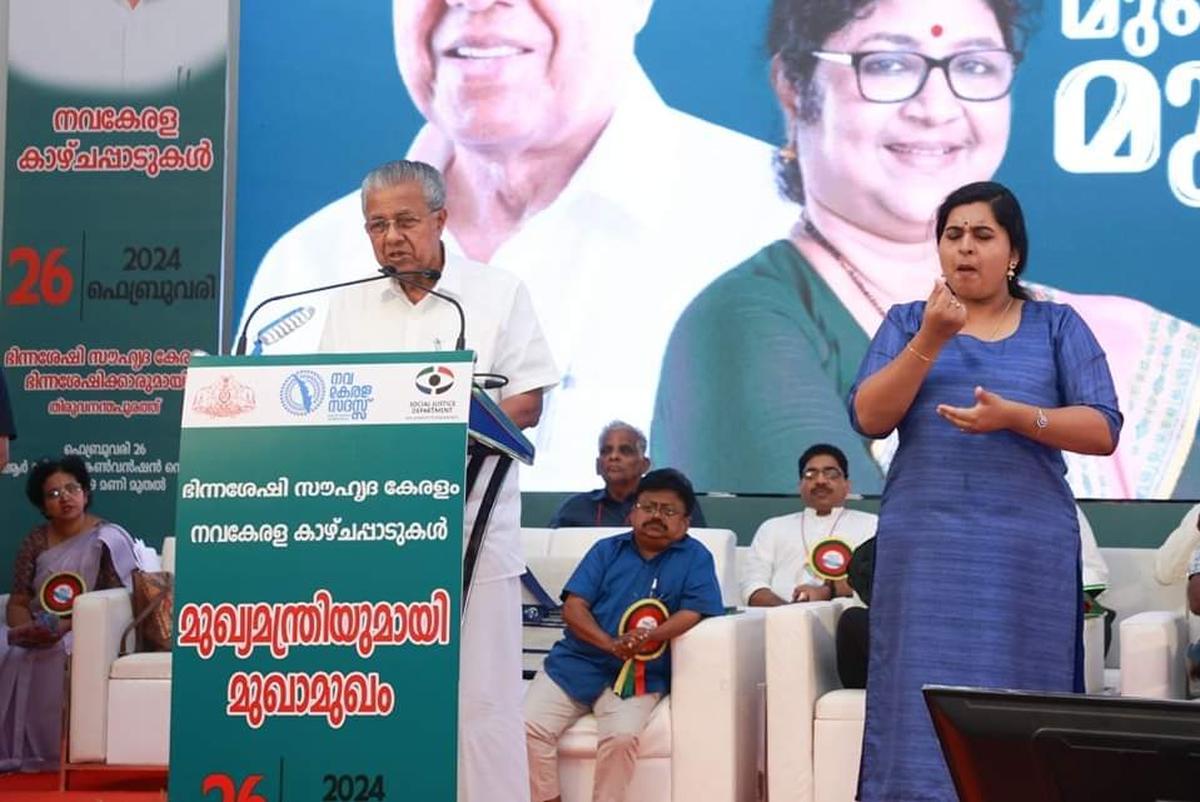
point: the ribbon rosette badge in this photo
(642, 614)
(59, 591)
(830, 559)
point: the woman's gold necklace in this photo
(1000, 322)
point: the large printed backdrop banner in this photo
(112, 241)
(319, 578)
(664, 182)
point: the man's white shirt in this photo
(503, 331)
(779, 554)
(662, 205)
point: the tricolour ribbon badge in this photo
(642, 614)
(59, 591)
(830, 558)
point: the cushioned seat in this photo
(142, 665)
(844, 704)
(1153, 655)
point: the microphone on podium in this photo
(281, 327)
(404, 276)
(486, 381)
(291, 321)
(240, 349)
(409, 277)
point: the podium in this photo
(321, 570)
(492, 435)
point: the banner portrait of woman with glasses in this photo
(889, 105)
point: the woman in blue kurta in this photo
(977, 570)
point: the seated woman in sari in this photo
(74, 551)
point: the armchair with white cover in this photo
(814, 725)
(120, 706)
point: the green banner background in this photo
(121, 233)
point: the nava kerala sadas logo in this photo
(302, 392)
(435, 380)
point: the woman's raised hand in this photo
(945, 315)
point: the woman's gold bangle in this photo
(918, 354)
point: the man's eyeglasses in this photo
(830, 473)
(652, 507)
(379, 226)
(891, 76)
(69, 489)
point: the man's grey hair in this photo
(402, 171)
(618, 426)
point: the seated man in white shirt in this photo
(403, 204)
(778, 569)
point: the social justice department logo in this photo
(225, 398)
(435, 380)
(302, 392)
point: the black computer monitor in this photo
(1013, 746)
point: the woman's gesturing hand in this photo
(990, 413)
(945, 315)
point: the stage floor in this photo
(93, 786)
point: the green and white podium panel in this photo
(319, 576)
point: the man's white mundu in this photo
(503, 331)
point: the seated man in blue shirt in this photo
(621, 462)
(658, 561)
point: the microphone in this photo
(487, 381)
(241, 342)
(282, 327)
(408, 277)
(490, 381)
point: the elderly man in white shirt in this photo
(778, 569)
(404, 207)
(564, 166)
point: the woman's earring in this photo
(1012, 270)
(787, 153)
